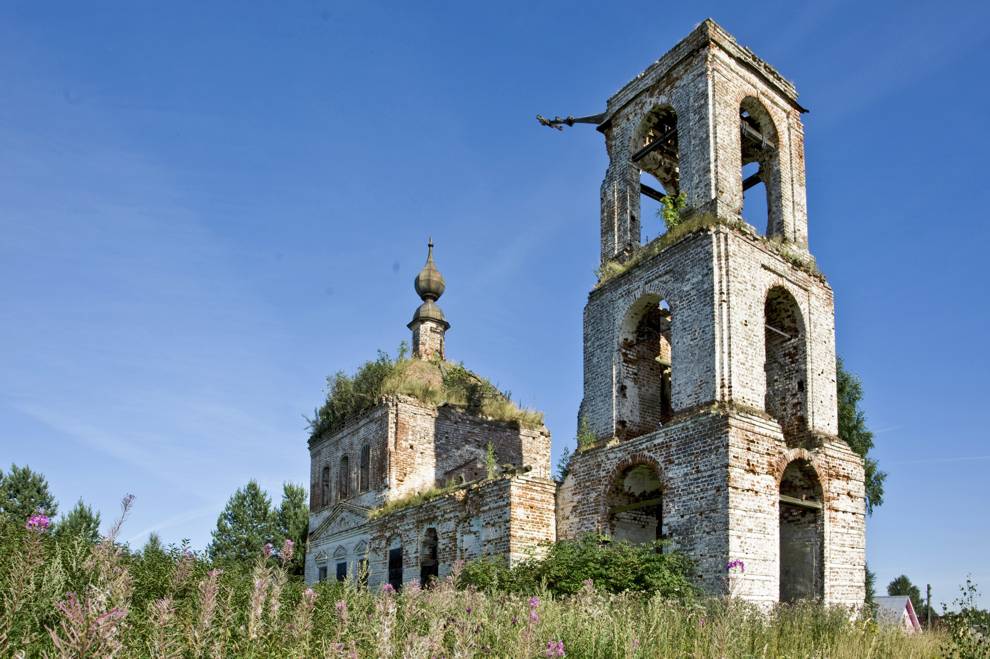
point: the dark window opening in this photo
(325, 487)
(429, 565)
(343, 479)
(786, 361)
(395, 567)
(322, 573)
(645, 388)
(801, 534)
(635, 505)
(364, 474)
(342, 571)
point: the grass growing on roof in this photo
(432, 382)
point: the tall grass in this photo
(70, 598)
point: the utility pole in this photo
(928, 607)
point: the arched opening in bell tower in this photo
(656, 154)
(644, 387)
(785, 364)
(802, 533)
(760, 168)
(635, 505)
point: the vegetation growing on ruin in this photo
(65, 597)
(432, 382)
(413, 499)
(679, 228)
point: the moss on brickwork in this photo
(702, 222)
(432, 382)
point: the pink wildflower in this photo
(534, 602)
(288, 548)
(388, 588)
(342, 611)
(735, 567)
(37, 522)
(309, 595)
(555, 649)
(268, 549)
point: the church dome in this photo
(429, 282)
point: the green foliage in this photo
(585, 436)
(292, 522)
(968, 625)
(671, 207)
(165, 602)
(491, 461)
(245, 525)
(81, 522)
(871, 587)
(412, 499)
(433, 382)
(563, 465)
(24, 492)
(615, 268)
(852, 429)
(613, 567)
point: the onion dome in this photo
(429, 282)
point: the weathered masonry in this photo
(366, 522)
(709, 415)
(709, 353)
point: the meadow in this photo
(70, 597)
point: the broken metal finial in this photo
(559, 122)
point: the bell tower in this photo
(709, 353)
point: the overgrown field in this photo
(73, 598)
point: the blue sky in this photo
(207, 208)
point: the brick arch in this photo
(786, 359)
(644, 354)
(780, 463)
(609, 489)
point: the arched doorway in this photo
(635, 505)
(802, 533)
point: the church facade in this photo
(709, 417)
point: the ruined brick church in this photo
(709, 416)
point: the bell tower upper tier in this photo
(693, 120)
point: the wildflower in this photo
(555, 648)
(288, 548)
(388, 588)
(701, 622)
(515, 620)
(37, 522)
(341, 607)
(468, 609)
(309, 595)
(534, 602)
(735, 567)
(268, 549)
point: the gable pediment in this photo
(342, 517)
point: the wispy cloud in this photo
(964, 458)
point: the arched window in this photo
(635, 505)
(343, 479)
(655, 153)
(340, 562)
(364, 474)
(760, 168)
(646, 356)
(786, 361)
(802, 533)
(429, 564)
(325, 486)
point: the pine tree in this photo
(246, 524)
(81, 522)
(292, 522)
(24, 492)
(903, 586)
(852, 428)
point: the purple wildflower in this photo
(268, 549)
(534, 602)
(735, 567)
(555, 649)
(37, 522)
(388, 588)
